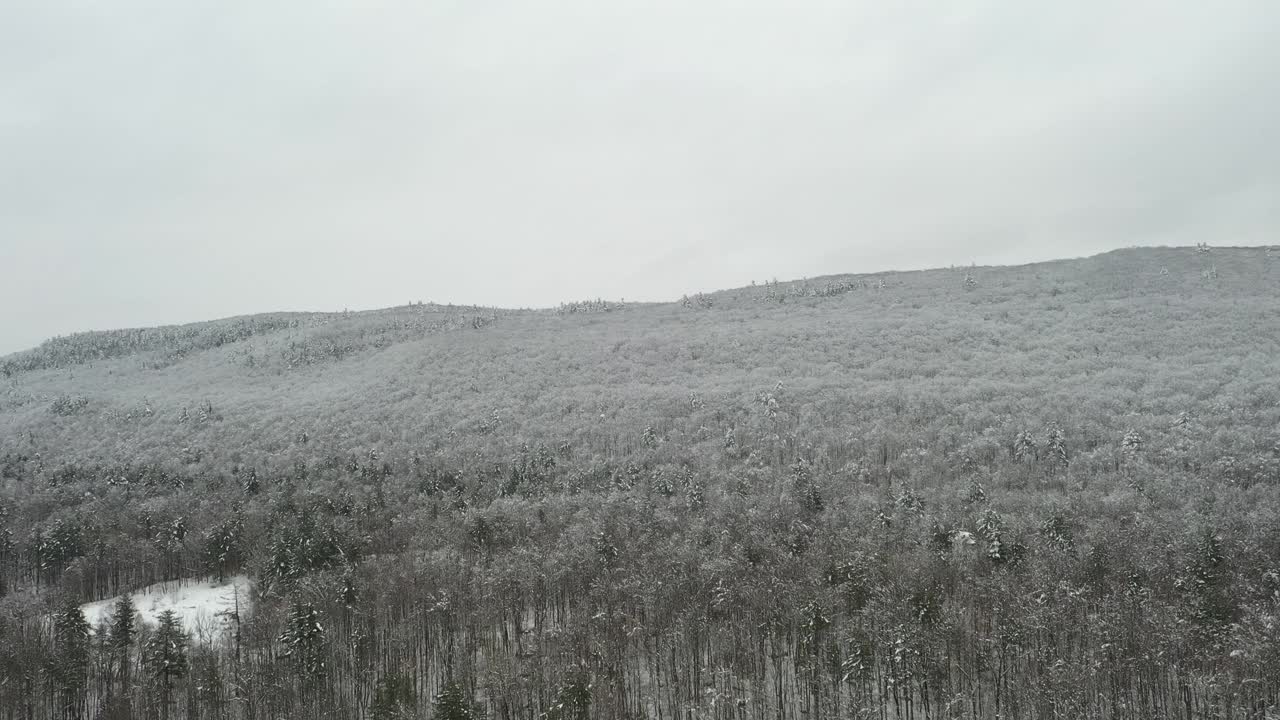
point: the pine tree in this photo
(70, 662)
(649, 438)
(990, 528)
(393, 698)
(222, 546)
(164, 655)
(6, 552)
(910, 502)
(1056, 531)
(1055, 446)
(574, 700)
(1131, 445)
(1024, 447)
(1213, 605)
(120, 636)
(695, 497)
(452, 704)
(811, 499)
(662, 484)
(304, 639)
(977, 495)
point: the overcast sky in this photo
(172, 161)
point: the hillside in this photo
(1047, 490)
(1137, 336)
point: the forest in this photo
(1039, 491)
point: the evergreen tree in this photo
(69, 665)
(574, 700)
(393, 698)
(990, 529)
(649, 438)
(811, 499)
(1055, 447)
(662, 483)
(251, 485)
(1132, 443)
(164, 655)
(977, 494)
(120, 635)
(304, 639)
(1024, 447)
(6, 557)
(1213, 606)
(222, 546)
(694, 494)
(1056, 531)
(453, 704)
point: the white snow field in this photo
(203, 606)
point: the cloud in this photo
(171, 162)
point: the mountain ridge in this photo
(448, 369)
(439, 307)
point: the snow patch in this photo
(204, 607)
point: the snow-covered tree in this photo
(573, 702)
(1055, 448)
(304, 640)
(394, 698)
(222, 549)
(1024, 447)
(121, 633)
(452, 704)
(1131, 445)
(649, 438)
(977, 494)
(164, 656)
(69, 665)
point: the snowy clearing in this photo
(203, 606)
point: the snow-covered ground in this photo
(203, 606)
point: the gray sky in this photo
(169, 161)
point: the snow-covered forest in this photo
(1043, 491)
